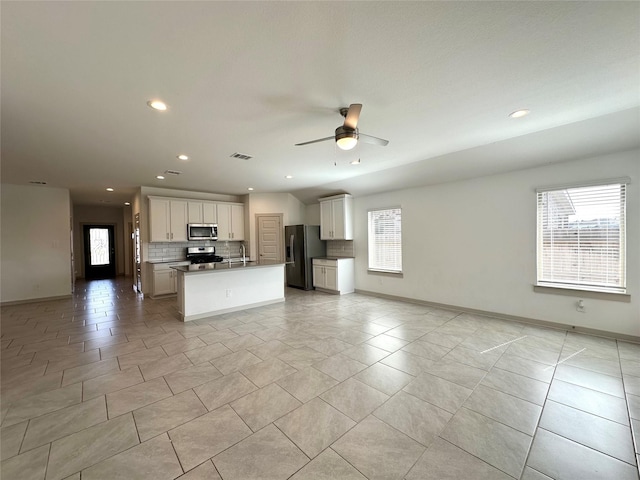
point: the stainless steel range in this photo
(203, 255)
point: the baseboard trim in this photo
(35, 300)
(512, 318)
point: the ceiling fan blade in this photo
(351, 120)
(315, 141)
(373, 140)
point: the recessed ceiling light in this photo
(182, 156)
(356, 162)
(127, 203)
(250, 189)
(157, 105)
(109, 189)
(159, 177)
(519, 113)
(289, 176)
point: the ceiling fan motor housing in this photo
(346, 132)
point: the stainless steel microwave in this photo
(202, 231)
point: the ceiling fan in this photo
(347, 135)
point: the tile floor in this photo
(109, 385)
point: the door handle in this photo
(293, 257)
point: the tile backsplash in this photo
(340, 248)
(168, 251)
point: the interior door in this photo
(99, 251)
(269, 237)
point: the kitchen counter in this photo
(331, 258)
(224, 266)
(209, 289)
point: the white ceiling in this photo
(437, 79)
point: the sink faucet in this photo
(244, 253)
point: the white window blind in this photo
(385, 240)
(581, 237)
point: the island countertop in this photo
(224, 266)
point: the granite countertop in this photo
(331, 258)
(224, 266)
(168, 261)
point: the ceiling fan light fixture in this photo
(346, 138)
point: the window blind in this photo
(385, 240)
(581, 237)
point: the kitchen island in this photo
(209, 289)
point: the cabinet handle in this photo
(167, 236)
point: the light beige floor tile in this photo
(58, 424)
(531, 474)
(458, 373)
(235, 361)
(329, 346)
(113, 351)
(11, 439)
(483, 360)
(269, 349)
(74, 360)
(267, 454)
(307, 384)
(340, 367)
(207, 354)
(354, 398)
(18, 388)
(190, 377)
(328, 466)
(314, 426)
(562, 459)
(111, 382)
(387, 342)
(426, 350)
(598, 433)
(607, 366)
(407, 362)
(588, 379)
(512, 411)
(223, 390)
(208, 435)
(56, 354)
(31, 465)
(43, 403)
(438, 391)
(377, 450)
(590, 401)
(91, 370)
(263, 406)
(444, 461)
(541, 355)
(632, 385)
(495, 443)
(517, 385)
(217, 336)
(206, 471)
(152, 459)
(528, 368)
(162, 339)
(141, 356)
(137, 396)
(183, 345)
(104, 342)
(164, 366)
(413, 417)
(166, 414)
(268, 371)
(302, 357)
(242, 342)
(366, 354)
(90, 446)
(384, 378)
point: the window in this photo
(385, 240)
(581, 237)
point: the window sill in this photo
(576, 292)
(385, 273)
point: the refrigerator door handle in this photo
(293, 258)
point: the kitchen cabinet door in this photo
(336, 218)
(195, 210)
(318, 276)
(331, 278)
(209, 212)
(224, 221)
(237, 222)
(326, 220)
(337, 211)
(178, 220)
(159, 220)
(164, 282)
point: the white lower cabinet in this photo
(165, 278)
(334, 275)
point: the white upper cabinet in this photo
(201, 212)
(167, 219)
(336, 217)
(230, 221)
(178, 220)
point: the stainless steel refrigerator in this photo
(303, 244)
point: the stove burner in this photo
(205, 259)
(202, 255)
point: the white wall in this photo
(36, 243)
(292, 209)
(472, 244)
(96, 215)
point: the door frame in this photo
(282, 242)
(112, 227)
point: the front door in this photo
(269, 237)
(99, 251)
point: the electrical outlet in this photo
(228, 293)
(580, 306)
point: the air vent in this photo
(34, 182)
(241, 156)
(172, 172)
